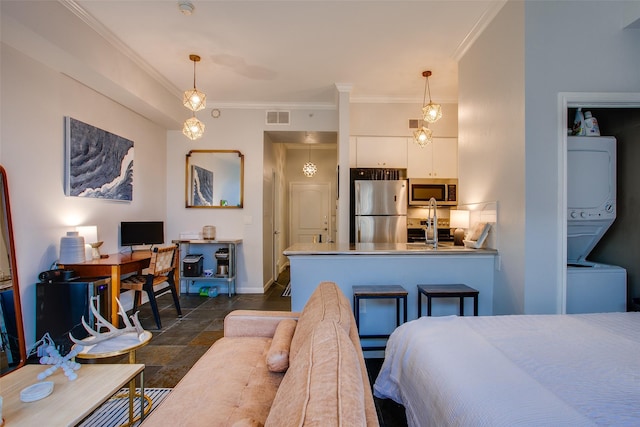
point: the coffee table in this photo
(127, 343)
(71, 401)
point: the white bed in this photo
(542, 370)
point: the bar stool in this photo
(396, 292)
(447, 291)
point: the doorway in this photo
(594, 102)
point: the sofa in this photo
(276, 368)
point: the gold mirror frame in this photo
(13, 353)
(214, 179)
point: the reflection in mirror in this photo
(214, 179)
(13, 353)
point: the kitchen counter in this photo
(444, 248)
(405, 264)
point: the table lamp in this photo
(90, 234)
(458, 219)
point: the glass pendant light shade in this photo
(194, 100)
(431, 112)
(423, 136)
(309, 169)
(193, 128)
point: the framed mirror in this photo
(13, 353)
(214, 179)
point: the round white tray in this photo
(36, 391)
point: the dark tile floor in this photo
(181, 341)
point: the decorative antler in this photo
(101, 322)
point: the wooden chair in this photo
(161, 270)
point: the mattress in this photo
(581, 369)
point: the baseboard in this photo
(283, 267)
(250, 290)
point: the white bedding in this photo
(549, 370)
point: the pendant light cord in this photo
(194, 75)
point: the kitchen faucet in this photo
(431, 232)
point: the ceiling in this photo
(295, 52)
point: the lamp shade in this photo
(193, 128)
(194, 100)
(423, 136)
(459, 219)
(89, 232)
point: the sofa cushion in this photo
(278, 354)
(327, 302)
(230, 383)
(323, 385)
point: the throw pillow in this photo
(278, 354)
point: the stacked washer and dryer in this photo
(591, 202)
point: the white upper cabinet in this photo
(436, 160)
(381, 152)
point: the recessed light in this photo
(215, 113)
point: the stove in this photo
(416, 227)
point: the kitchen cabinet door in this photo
(445, 157)
(381, 152)
(436, 160)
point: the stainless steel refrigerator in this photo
(381, 211)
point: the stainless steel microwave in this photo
(421, 190)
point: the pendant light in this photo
(309, 169)
(193, 128)
(431, 112)
(423, 136)
(193, 99)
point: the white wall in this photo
(393, 119)
(274, 186)
(609, 62)
(234, 130)
(35, 99)
(491, 142)
(564, 46)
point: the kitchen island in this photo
(405, 264)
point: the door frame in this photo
(565, 101)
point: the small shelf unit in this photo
(208, 248)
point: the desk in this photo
(114, 265)
(70, 402)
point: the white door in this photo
(309, 212)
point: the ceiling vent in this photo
(277, 117)
(414, 123)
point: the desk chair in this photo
(161, 269)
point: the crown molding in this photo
(273, 105)
(477, 29)
(119, 45)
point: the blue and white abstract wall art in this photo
(99, 164)
(202, 186)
